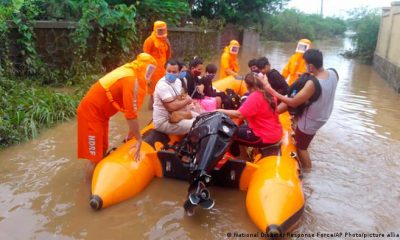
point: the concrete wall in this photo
(187, 42)
(387, 53)
(53, 42)
(251, 40)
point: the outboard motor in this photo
(209, 138)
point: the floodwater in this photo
(44, 193)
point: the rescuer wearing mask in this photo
(158, 46)
(229, 63)
(121, 90)
(296, 65)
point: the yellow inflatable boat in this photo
(275, 199)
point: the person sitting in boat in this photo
(317, 114)
(193, 76)
(260, 111)
(202, 91)
(206, 80)
(171, 108)
(182, 74)
(296, 65)
(252, 64)
(229, 63)
(275, 79)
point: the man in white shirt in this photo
(170, 102)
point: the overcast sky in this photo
(336, 7)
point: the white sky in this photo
(336, 7)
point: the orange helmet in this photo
(146, 65)
(160, 29)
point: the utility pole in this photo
(322, 8)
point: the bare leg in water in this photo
(305, 159)
(89, 170)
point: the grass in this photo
(26, 108)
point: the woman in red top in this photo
(263, 127)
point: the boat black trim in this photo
(152, 136)
(172, 165)
(286, 225)
(229, 174)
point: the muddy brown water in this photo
(353, 186)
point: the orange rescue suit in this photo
(296, 65)
(124, 90)
(158, 46)
(229, 59)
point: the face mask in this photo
(302, 47)
(209, 77)
(182, 74)
(196, 73)
(170, 77)
(234, 50)
(161, 32)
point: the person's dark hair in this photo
(181, 64)
(314, 57)
(195, 62)
(171, 62)
(211, 68)
(254, 82)
(252, 62)
(262, 62)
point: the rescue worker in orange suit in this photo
(122, 90)
(158, 46)
(296, 65)
(229, 64)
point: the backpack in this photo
(230, 100)
(297, 86)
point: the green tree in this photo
(292, 25)
(365, 22)
(148, 11)
(247, 13)
(168, 10)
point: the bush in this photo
(25, 109)
(171, 11)
(243, 13)
(107, 32)
(103, 31)
(292, 25)
(365, 22)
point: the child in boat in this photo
(182, 74)
(252, 64)
(211, 71)
(260, 111)
(275, 79)
(202, 91)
